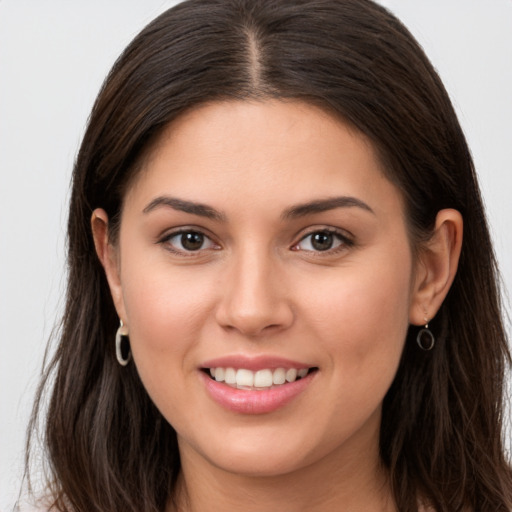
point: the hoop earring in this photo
(425, 339)
(123, 353)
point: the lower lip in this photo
(255, 402)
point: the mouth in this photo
(260, 380)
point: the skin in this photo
(258, 286)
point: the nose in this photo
(254, 299)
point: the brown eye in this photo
(322, 241)
(183, 242)
(192, 241)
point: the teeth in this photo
(219, 374)
(230, 376)
(291, 375)
(261, 379)
(279, 376)
(244, 378)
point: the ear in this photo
(436, 267)
(109, 258)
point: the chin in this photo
(266, 452)
(259, 464)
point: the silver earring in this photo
(425, 339)
(123, 352)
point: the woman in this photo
(271, 302)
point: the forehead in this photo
(269, 152)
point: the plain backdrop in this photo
(53, 57)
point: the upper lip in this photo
(254, 363)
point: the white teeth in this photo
(261, 379)
(230, 376)
(244, 378)
(279, 376)
(291, 375)
(219, 374)
(302, 372)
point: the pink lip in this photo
(253, 401)
(254, 363)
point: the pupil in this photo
(192, 241)
(322, 241)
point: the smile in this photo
(257, 391)
(259, 380)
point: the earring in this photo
(123, 353)
(425, 339)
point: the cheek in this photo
(166, 310)
(361, 314)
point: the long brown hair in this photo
(108, 447)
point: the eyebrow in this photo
(202, 210)
(323, 205)
(296, 211)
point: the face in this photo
(261, 243)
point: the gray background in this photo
(53, 57)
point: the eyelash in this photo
(166, 240)
(344, 242)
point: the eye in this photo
(322, 241)
(188, 241)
